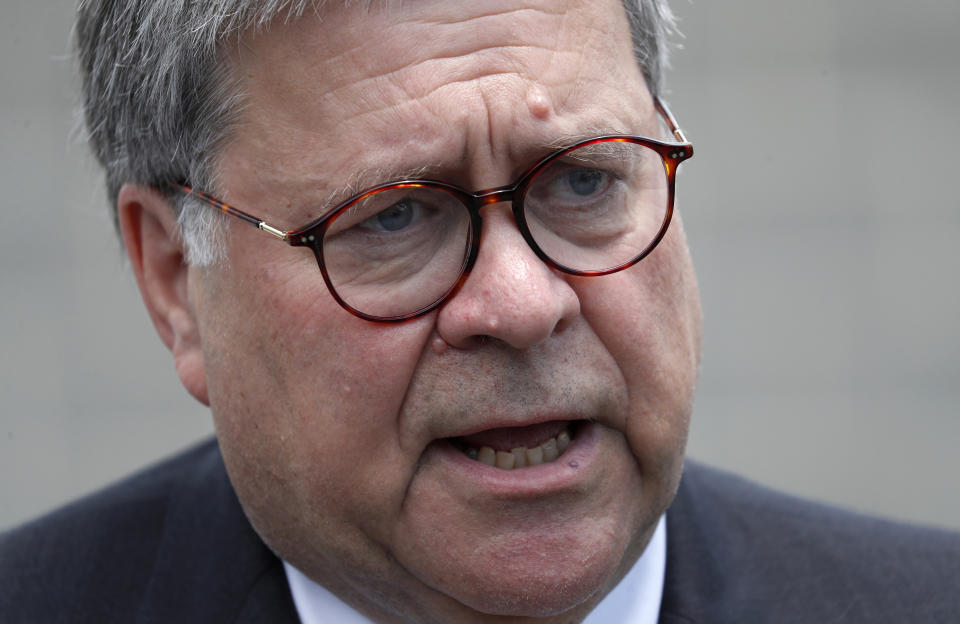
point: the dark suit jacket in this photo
(172, 545)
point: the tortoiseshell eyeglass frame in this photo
(311, 235)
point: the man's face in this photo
(343, 437)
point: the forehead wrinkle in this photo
(456, 19)
(398, 113)
(392, 45)
(413, 91)
(558, 140)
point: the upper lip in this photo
(502, 423)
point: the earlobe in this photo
(149, 229)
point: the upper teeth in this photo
(521, 456)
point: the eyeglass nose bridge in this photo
(496, 195)
(486, 197)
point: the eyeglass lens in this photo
(396, 251)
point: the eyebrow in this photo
(590, 132)
(369, 178)
(662, 133)
(366, 179)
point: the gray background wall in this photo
(822, 208)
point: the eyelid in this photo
(366, 179)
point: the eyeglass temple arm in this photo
(230, 210)
(671, 120)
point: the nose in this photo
(510, 294)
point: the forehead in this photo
(428, 86)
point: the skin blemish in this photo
(574, 464)
(538, 103)
(439, 345)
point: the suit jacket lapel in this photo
(210, 564)
(695, 583)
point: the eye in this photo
(572, 186)
(395, 217)
(584, 182)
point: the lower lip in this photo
(561, 474)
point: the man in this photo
(476, 409)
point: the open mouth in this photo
(511, 448)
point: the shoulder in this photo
(98, 554)
(754, 552)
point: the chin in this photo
(530, 598)
(536, 584)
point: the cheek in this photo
(305, 399)
(292, 345)
(648, 317)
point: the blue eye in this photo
(572, 186)
(585, 182)
(397, 216)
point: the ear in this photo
(149, 229)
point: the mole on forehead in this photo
(538, 102)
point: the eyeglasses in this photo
(399, 250)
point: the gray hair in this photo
(160, 103)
